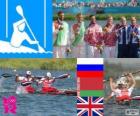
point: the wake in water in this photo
(1, 81)
(2, 90)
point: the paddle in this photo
(135, 98)
(6, 75)
(26, 83)
(20, 12)
(128, 74)
(124, 75)
(63, 76)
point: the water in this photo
(75, 10)
(113, 109)
(125, 9)
(89, 10)
(39, 104)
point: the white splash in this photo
(21, 90)
(137, 77)
(6, 47)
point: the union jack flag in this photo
(89, 106)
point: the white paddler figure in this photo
(19, 33)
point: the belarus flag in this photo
(90, 76)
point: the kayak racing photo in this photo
(42, 84)
(121, 86)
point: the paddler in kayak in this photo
(20, 35)
(123, 90)
(26, 82)
(78, 31)
(47, 82)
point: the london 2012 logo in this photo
(25, 28)
(9, 105)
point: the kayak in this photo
(127, 102)
(25, 90)
(62, 92)
(30, 90)
(49, 89)
(136, 98)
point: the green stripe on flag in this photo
(94, 93)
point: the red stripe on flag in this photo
(89, 106)
(91, 74)
(91, 83)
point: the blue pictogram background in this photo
(34, 12)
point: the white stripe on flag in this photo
(90, 61)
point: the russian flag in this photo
(90, 74)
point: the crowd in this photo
(120, 40)
(69, 4)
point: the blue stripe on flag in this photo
(81, 67)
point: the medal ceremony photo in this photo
(96, 28)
